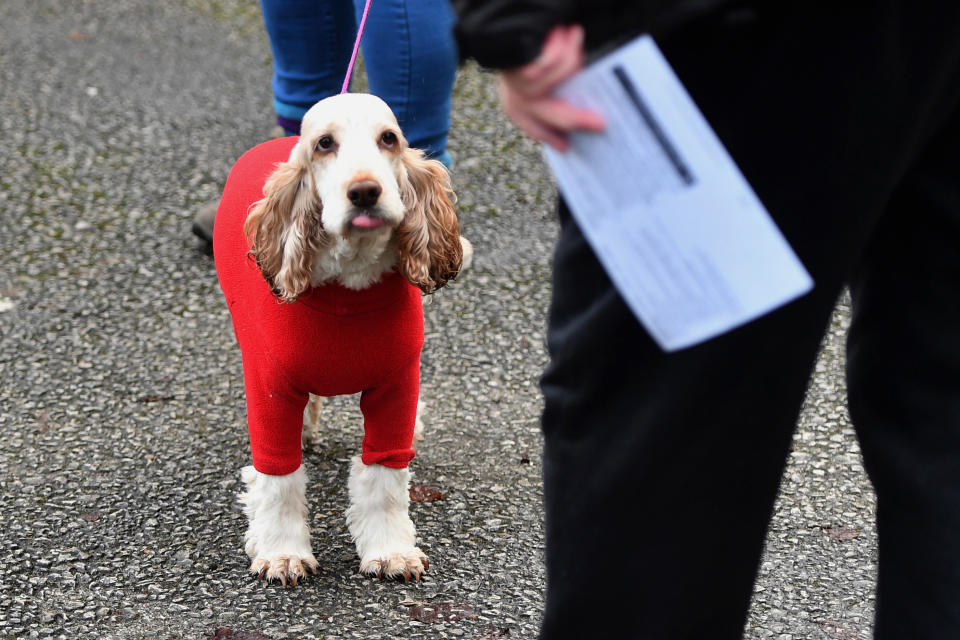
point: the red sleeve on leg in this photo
(389, 417)
(275, 421)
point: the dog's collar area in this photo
(334, 298)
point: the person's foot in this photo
(203, 225)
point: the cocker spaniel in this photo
(323, 245)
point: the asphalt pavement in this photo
(121, 397)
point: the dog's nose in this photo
(364, 193)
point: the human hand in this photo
(526, 92)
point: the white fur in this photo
(356, 262)
(278, 536)
(467, 247)
(357, 259)
(353, 121)
(379, 522)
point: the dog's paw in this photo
(409, 563)
(286, 569)
(278, 536)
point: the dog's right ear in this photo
(284, 228)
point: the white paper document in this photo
(675, 224)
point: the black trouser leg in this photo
(661, 469)
(904, 388)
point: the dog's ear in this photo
(284, 227)
(429, 236)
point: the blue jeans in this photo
(408, 51)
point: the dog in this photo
(324, 245)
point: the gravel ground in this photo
(121, 399)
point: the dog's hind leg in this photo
(380, 523)
(418, 425)
(311, 420)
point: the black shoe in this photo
(203, 221)
(203, 225)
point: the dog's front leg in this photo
(278, 536)
(379, 521)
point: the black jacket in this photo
(502, 34)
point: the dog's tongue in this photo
(367, 222)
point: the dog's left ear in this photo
(429, 236)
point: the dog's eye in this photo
(388, 138)
(325, 143)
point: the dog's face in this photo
(351, 178)
(356, 148)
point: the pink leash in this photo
(356, 48)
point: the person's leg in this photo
(904, 388)
(660, 470)
(411, 60)
(311, 44)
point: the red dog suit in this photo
(331, 341)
